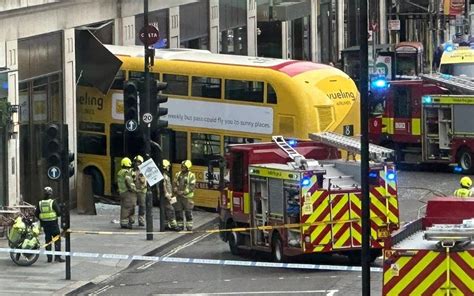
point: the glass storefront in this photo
(41, 101)
(233, 27)
(194, 32)
(3, 138)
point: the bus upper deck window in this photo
(177, 84)
(271, 94)
(140, 75)
(206, 87)
(242, 90)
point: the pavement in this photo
(44, 278)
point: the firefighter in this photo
(141, 187)
(127, 191)
(184, 184)
(48, 212)
(465, 190)
(170, 200)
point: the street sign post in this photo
(131, 125)
(147, 118)
(54, 173)
(151, 172)
(149, 35)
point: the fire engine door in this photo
(259, 197)
(402, 111)
(340, 230)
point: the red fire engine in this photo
(291, 199)
(424, 121)
(434, 254)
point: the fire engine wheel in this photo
(277, 249)
(465, 160)
(233, 240)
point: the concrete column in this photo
(340, 27)
(69, 87)
(14, 142)
(383, 27)
(252, 27)
(127, 35)
(214, 26)
(174, 27)
(285, 50)
(315, 50)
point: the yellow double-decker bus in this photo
(214, 100)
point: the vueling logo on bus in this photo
(342, 97)
(91, 101)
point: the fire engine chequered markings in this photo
(196, 260)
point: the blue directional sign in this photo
(54, 173)
(131, 125)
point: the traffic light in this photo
(161, 111)
(130, 98)
(52, 145)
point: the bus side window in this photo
(118, 81)
(180, 147)
(177, 84)
(204, 147)
(140, 75)
(89, 143)
(206, 87)
(229, 140)
(116, 140)
(271, 94)
(241, 90)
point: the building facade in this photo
(38, 73)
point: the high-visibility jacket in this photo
(463, 192)
(140, 182)
(167, 186)
(47, 213)
(125, 181)
(186, 182)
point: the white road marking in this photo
(175, 250)
(101, 290)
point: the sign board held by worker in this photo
(151, 172)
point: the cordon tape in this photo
(194, 260)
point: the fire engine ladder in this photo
(351, 145)
(453, 83)
(299, 159)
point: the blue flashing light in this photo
(427, 100)
(373, 175)
(292, 143)
(305, 181)
(391, 176)
(379, 83)
(458, 169)
(5, 85)
(449, 47)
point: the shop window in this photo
(229, 140)
(204, 147)
(206, 87)
(92, 144)
(271, 94)
(118, 80)
(177, 84)
(180, 147)
(241, 90)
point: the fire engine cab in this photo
(291, 198)
(434, 254)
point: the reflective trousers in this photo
(51, 229)
(141, 199)
(186, 205)
(170, 217)
(128, 201)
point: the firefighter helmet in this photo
(187, 163)
(126, 162)
(166, 164)
(138, 158)
(465, 182)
